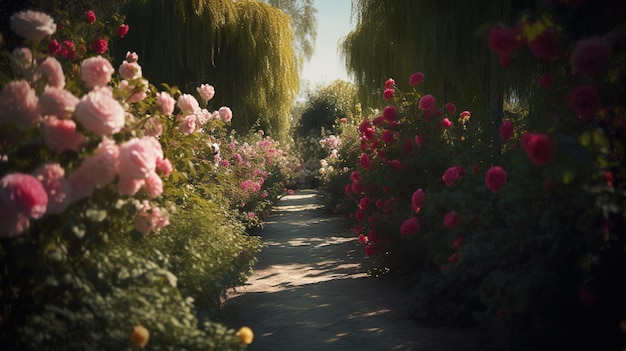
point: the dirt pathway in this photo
(309, 291)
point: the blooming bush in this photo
(102, 182)
(525, 233)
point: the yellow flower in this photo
(246, 335)
(531, 29)
(140, 336)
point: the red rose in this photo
(539, 148)
(99, 45)
(495, 178)
(585, 101)
(90, 17)
(502, 41)
(122, 30)
(506, 129)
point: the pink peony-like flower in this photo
(52, 70)
(539, 148)
(32, 25)
(122, 30)
(206, 92)
(590, 57)
(96, 71)
(138, 158)
(19, 104)
(495, 178)
(416, 78)
(90, 17)
(390, 83)
(417, 200)
(225, 114)
(103, 164)
(409, 226)
(427, 102)
(165, 102)
(100, 113)
(450, 107)
(585, 101)
(99, 45)
(390, 113)
(451, 219)
(149, 218)
(129, 186)
(388, 94)
(453, 174)
(52, 177)
(153, 185)
(129, 70)
(188, 104)
(12, 223)
(506, 129)
(545, 45)
(60, 135)
(57, 102)
(446, 123)
(25, 193)
(503, 41)
(164, 166)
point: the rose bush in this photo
(117, 207)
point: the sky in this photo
(333, 23)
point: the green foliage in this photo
(211, 42)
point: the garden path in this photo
(309, 291)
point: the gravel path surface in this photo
(309, 291)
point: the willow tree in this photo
(243, 48)
(303, 23)
(445, 39)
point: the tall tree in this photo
(243, 48)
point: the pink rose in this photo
(99, 45)
(188, 104)
(390, 113)
(52, 177)
(54, 47)
(446, 123)
(153, 185)
(409, 226)
(365, 161)
(19, 104)
(135, 93)
(502, 41)
(506, 129)
(165, 102)
(52, 70)
(103, 164)
(364, 203)
(129, 186)
(451, 219)
(206, 92)
(417, 200)
(453, 174)
(24, 193)
(416, 78)
(388, 94)
(188, 125)
(100, 113)
(138, 158)
(164, 166)
(149, 218)
(132, 57)
(12, 223)
(590, 57)
(57, 102)
(225, 114)
(585, 101)
(153, 127)
(61, 135)
(390, 83)
(129, 70)
(32, 25)
(450, 107)
(96, 71)
(427, 102)
(90, 17)
(539, 148)
(122, 30)
(495, 178)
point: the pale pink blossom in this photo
(129, 186)
(206, 92)
(61, 135)
(166, 102)
(82, 184)
(150, 218)
(131, 56)
(100, 113)
(103, 164)
(129, 70)
(203, 116)
(32, 25)
(225, 114)
(188, 124)
(52, 177)
(19, 104)
(52, 70)
(134, 93)
(153, 185)
(23, 57)
(164, 166)
(58, 102)
(96, 71)
(25, 193)
(137, 158)
(188, 104)
(153, 127)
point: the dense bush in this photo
(522, 232)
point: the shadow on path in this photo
(309, 291)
